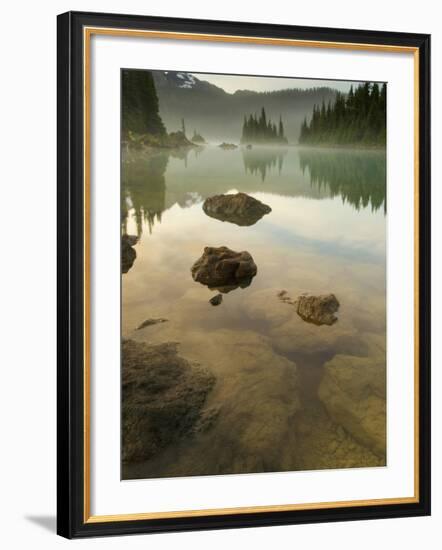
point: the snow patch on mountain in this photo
(186, 80)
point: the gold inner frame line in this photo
(87, 34)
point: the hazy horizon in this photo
(233, 83)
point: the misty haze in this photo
(253, 263)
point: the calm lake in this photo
(326, 233)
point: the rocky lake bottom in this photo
(227, 366)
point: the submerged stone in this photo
(353, 390)
(150, 322)
(224, 269)
(240, 208)
(163, 398)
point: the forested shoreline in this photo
(262, 130)
(141, 124)
(356, 119)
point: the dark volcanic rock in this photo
(128, 254)
(149, 322)
(163, 398)
(216, 300)
(319, 310)
(224, 269)
(240, 208)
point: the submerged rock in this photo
(163, 398)
(128, 254)
(240, 209)
(353, 390)
(248, 419)
(224, 269)
(318, 310)
(262, 306)
(295, 336)
(284, 296)
(216, 300)
(150, 322)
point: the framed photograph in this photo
(243, 274)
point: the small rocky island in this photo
(163, 398)
(228, 146)
(198, 138)
(240, 208)
(224, 269)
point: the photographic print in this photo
(228, 269)
(253, 263)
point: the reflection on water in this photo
(289, 395)
(143, 190)
(261, 160)
(357, 178)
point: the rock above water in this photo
(353, 390)
(224, 269)
(216, 300)
(240, 209)
(163, 398)
(128, 253)
(319, 310)
(288, 332)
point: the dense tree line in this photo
(358, 118)
(140, 109)
(262, 130)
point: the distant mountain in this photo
(219, 116)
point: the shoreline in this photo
(335, 146)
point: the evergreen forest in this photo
(260, 129)
(358, 118)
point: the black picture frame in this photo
(72, 521)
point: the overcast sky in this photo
(231, 83)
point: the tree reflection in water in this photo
(260, 161)
(143, 189)
(360, 179)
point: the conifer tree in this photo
(358, 118)
(140, 109)
(281, 128)
(260, 129)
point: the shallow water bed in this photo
(282, 384)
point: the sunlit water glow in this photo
(325, 233)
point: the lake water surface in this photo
(326, 233)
